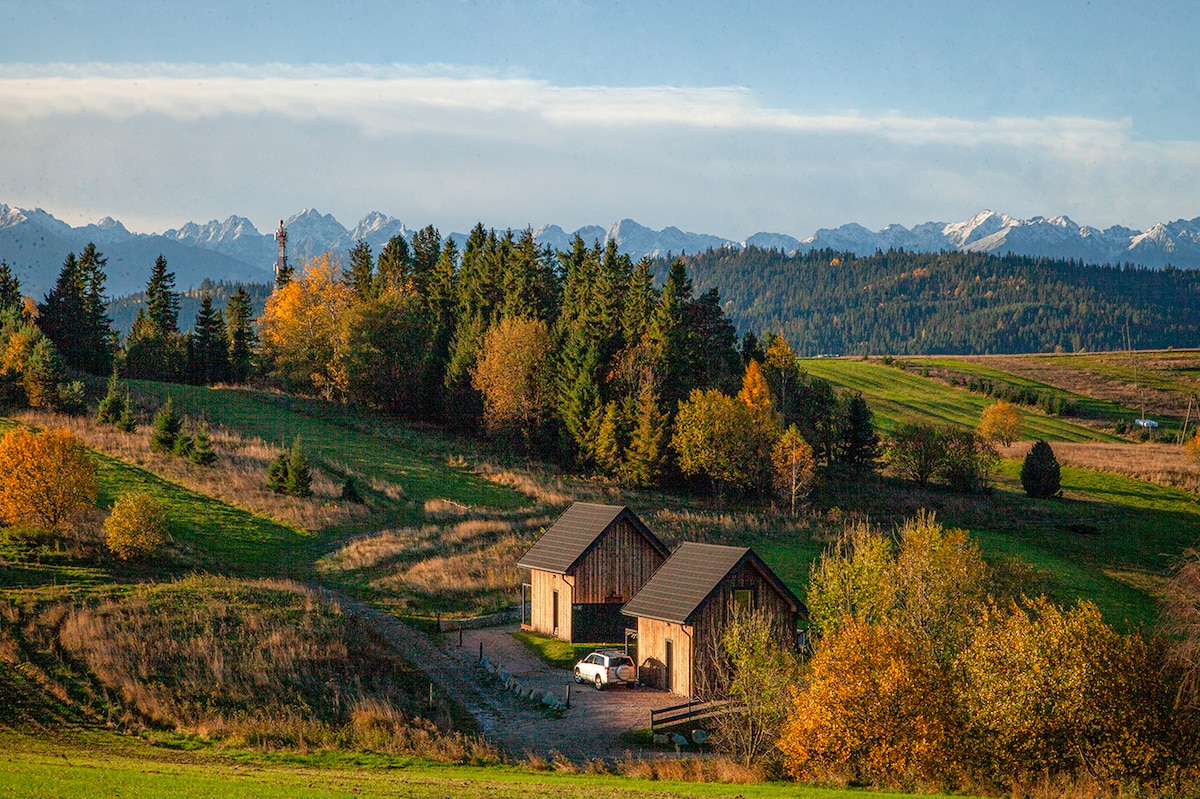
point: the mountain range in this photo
(35, 243)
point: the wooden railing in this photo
(692, 711)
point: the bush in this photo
(137, 526)
(350, 491)
(44, 477)
(202, 453)
(1040, 473)
(967, 461)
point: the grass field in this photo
(103, 765)
(414, 467)
(896, 396)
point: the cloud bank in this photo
(167, 143)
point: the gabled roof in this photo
(689, 578)
(575, 532)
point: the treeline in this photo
(951, 302)
(124, 310)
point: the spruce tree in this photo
(1041, 475)
(43, 372)
(859, 444)
(167, 427)
(393, 270)
(360, 277)
(277, 472)
(350, 491)
(202, 453)
(112, 407)
(162, 303)
(128, 422)
(208, 346)
(10, 289)
(74, 314)
(647, 446)
(299, 475)
(239, 316)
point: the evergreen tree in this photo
(185, 445)
(647, 446)
(361, 274)
(239, 315)
(112, 407)
(43, 372)
(208, 346)
(10, 289)
(426, 249)
(167, 427)
(859, 444)
(350, 491)
(394, 268)
(162, 303)
(202, 453)
(751, 349)
(73, 314)
(608, 448)
(1041, 476)
(299, 474)
(277, 472)
(127, 423)
(284, 276)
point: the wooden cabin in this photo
(683, 611)
(591, 561)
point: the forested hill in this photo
(951, 302)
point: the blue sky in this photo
(715, 117)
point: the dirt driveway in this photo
(592, 726)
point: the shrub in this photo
(44, 477)
(967, 461)
(137, 526)
(914, 450)
(350, 491)
(112, 407)
(299, 475)
(202, 453)
(1040, 473)
(127, 423)
(277, 473)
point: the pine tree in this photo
(185, 445)
(647, 446)
(73, 314)
(43, 372)
(299, 474)
(167, 427)
(859, 444)
(426, 249)
(10, 289)
(361, 274)
(394, 269)
(112, 407)
(238, 322)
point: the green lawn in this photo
(896, 396)
(337, 439)
(103, 765)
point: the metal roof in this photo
(575, 532)
(690, 576)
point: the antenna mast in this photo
(281, 265)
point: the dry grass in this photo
(1165, 464)
(545, 489)
(490, 570)
(238, 479)
(674, 769)
(724, 527)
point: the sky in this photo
(713, 117)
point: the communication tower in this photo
(281, 263)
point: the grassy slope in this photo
(104, 765)
(337, 440)
(896, 396)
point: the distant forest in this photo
(906, 303)
(123, 310)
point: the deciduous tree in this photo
(1000, 422)
(44, 477)
(794, 467)
(137, 526)
(512, 375)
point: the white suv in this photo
(606, 667)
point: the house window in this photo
(743, 601)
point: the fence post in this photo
(481, 649)
(568, 696)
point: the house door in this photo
(554, 611)
(669, 665)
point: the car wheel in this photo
(599, 682)
(578, 677)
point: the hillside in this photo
(906, 303)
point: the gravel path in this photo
(591, 728)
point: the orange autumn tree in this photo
(44, 478)
(302, 333)
(1001, 422)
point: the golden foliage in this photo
(876, 709)
(44, 477)
(136, 527)
(794, 466)
(755, 391)
(1192, 447)
(302, 331)
(511, 374)
(721, 438)
(16, 352)
(1181, 623)
(1001, 422)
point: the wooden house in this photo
(591, 561)
(683, 611)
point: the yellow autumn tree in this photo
(302, 333)
(755, 391)
(1000, 422)
(1192, 447)
(794, 469)
(512, 375)
(136, 527)
(44, 478)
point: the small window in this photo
(743, 601)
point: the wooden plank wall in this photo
(652, 648)
(616, 569)
(541, 603)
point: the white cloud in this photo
(454, 145)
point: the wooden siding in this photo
(616, 567)
(697, 646)
(542, 586)
(652, 652)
